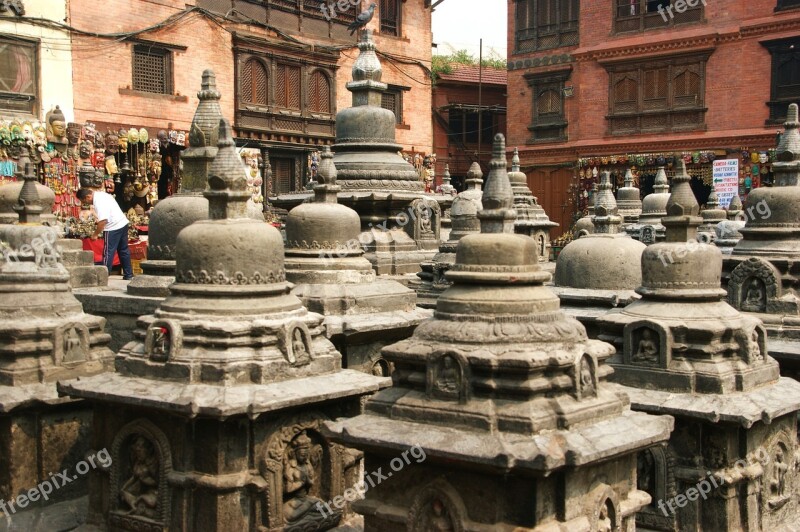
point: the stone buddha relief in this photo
(139, 491)
(71, 344)
(646, 347)
(301, 471)
(779, 474)
(296, 344)
(755, 286)
(437, 508)
(446, 376)
(585, 377)
(647, 344)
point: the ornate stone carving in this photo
(164, 339)
(70, 344)
(295, 343)
(779, 472)
(754, 286)
(585, 377)
(447, 375)
(647, 234)
(222, 278)
(141, 464)
(438, 507)
(603, 511)
(647, 343)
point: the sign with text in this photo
(726, 180)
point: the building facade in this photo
(285, 63)
(460, 137)
(607, 84)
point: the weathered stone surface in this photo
(531, 218)
(629, 200)
(214, 413)
(654, 207)
(683, 351)
(506, 396)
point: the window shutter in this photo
(319, 97)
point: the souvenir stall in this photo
(252, 161)
(754, 168)
(135, 166)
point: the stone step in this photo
(81, 257)
(88, 276)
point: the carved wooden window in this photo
(254, 82)
(392, 99)
(785, 87)
(152, 69)
(465, 127)
(787, 4)
(549, 119)
(282, 175)
(319, 93)
(543, 24)
(287, 86)
(19, 86)
(390, 13)
(639, 15)
(663, 95)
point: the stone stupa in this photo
(44, 336)
(213, 415)
(507, 397)
(712, 215)
(654, 207)
(583, 226)
(683, 351)
(629, 200)
(464, 221)
(601, 270)
(727, 231)
(761, 272)
(400, 225)
(532, 220)
(331, 276)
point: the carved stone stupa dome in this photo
(654, 206)
(323, 224)
(607, 259)
(9, 193)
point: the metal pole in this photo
(480, 98)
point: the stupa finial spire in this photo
(227, 194)
(327, 189)
(683, 210)
(606, 218)
(498, 214)
(29, 205)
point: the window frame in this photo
(565, 31)
(398, 91)
(542, 124)
(644, 17)
(33, 98)
(385, 28)
(672, 110)
(240, 87)
(779, 100)
(787, 4)
(168, 68)
(319, 72)
(277, 65)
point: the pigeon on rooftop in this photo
(362, 19)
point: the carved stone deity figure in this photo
(139, 492)
(72, 346)
(298, 352)
(447, 379)
(299, 508)
(647, 350)
(777, 484)
(425, 220)
(587, 379)
(437, 518)
(755, 298)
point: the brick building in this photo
(281, 66)
(456, 128)
(609, 83)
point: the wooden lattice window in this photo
(391, 11)
(282, 175)
(319, 93)
(639, 15)
(785, 86)
(392, 99)
(663, 95)
(152, 69)
(544, 24)
(549, 120)
(254, 82)
(287, 86)
(19, 87)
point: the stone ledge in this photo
(222, 401)
(540, 453)
(742, 408)
(30, 395)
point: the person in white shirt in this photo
(113, 224)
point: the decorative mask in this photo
(754, 157)
(39, 135)
(696, 157)
(123, 140)
(612, 159)
(99, 141)
(16, 132)
(56, 126)
(163, 138)
(133, 135)
(27, 132)
(762, 157)
(112, 143)
(703, 157)
(74, 133)
(5, 134)
(154, 145)
(755, 169)
(711, 156)
(181, 139)
(745, 154)
(173, 136)
(650, 160)
(85, 149)
(89, 130)
(155, 171)
(98, 159)
(143, 136)
(661, 160)
(111, 166)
